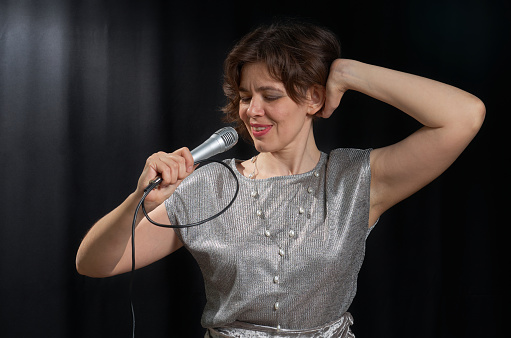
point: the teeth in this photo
(259, 128)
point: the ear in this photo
(316, 96)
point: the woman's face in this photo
(275, 122)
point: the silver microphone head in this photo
(222, 140)
(229, 136)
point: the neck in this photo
(291, 161)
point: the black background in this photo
(89, 89)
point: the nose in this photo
(255, 108)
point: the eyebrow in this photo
(261, 89)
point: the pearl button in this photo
(253, 194)
(301, 210)
(276, 279)
(281, 252)
(267, 233)
(276, 306)
(316, 174)
(259, 213)
(310, 190)
(291, 233)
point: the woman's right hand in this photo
(106, 249)
(173, 168)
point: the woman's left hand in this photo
(450, 117)
(336, 86)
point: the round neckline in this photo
(320, 163)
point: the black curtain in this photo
(89, 89)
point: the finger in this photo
(159, 167)
(176, 165)
(189, 161)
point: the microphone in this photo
(221, 141)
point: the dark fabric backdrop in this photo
(89, 89)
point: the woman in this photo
(284, 259)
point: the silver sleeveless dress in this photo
(284, 259)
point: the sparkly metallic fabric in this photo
(286, 255)
(338, 329)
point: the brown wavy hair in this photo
(298, 54)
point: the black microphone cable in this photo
(153, 184)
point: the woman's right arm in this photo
(106, 249)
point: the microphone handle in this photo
(211, 147)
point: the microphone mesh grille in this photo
(228, 138)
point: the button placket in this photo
(267, 232)
(296, 220)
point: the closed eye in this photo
(246, 99)
(271, 98)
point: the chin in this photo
(260, 146)
(265, 148)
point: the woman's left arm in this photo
(450, 116)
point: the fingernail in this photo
(189, 169)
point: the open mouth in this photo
(259, 129)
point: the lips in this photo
(259, 130)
